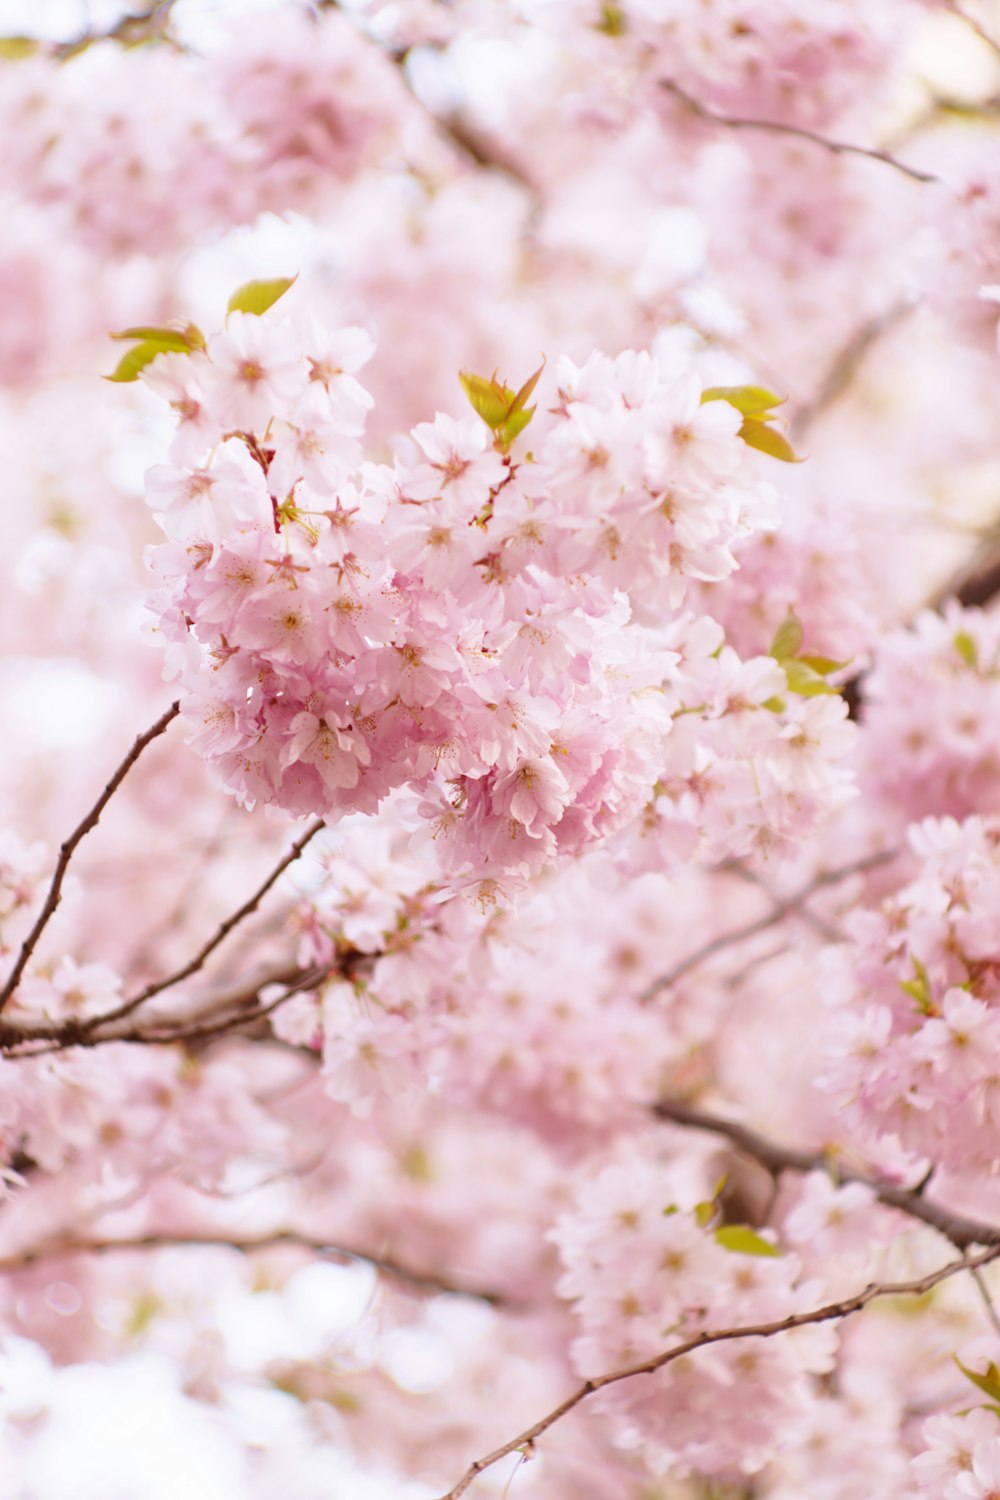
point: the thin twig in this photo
(250, 905)
(799, 132)
(760, 924)
(962, 1232)
(847, 361)
(68, 849)
(831, 1312)
(988, 1302)
(753, 877)
(79, 1029)
(422, 1281)
(234, 1003)
(974, 25)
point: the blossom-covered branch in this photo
(960, 1230)
(831, 1312)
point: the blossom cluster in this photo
(932, 712)
(915, 1004)
(499, 634)
(643, 1265)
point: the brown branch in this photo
(237, 1006)
(974, 25)
(760, 924)
(962, 1232)
(831, 1312)
(799, 132)
(421, 1281)
(151, 25)
(847, 361)
(79, 1029)
(753, 877)
(68, 849)
(92, 1023)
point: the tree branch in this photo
(237, 1007)
(79, 1029)
(760, 924)
(249, 906)
(831, 1312)
(68, 849)
(974, 25)
(799, 132)
(847, 361)
(962, 1232)
(419, 1281)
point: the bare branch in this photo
(831, 1312)
(962, 1232)
(77, 1031)
(847, 361)
(68, 849)
(92, 1023)
(777, 127)
(760, 924)
(974, 25)
(426, 1282)
(753, 877)
(221, 1013)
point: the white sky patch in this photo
(54, 703)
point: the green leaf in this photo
(257, 296)
(504, 411)
(774, 705)
(919, 987)
(613, 21)
(751, 400)
(787, 638)
(523, 396)
(488, 398)
(966, 647)
(804, 681)
(129, 366)
(514, 426)
(824, 665)
(989, 1383)
(16, 48)
(769, 440)
(704, 1213)
(183, 340)
(744, 1240)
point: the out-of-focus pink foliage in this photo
(558, 922)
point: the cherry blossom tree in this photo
(500, 857)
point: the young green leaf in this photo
(988, 1383)
(744, 1240)
(14, 48)
(757, 434)
(487, 397)
(129, 366)
(523, 396)
(788, 637)
(966, 646)
(804, 681)
(504, 411)
(824, 665)
(182, 340)
(751, 400)
(613, 21)
(257, 296)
